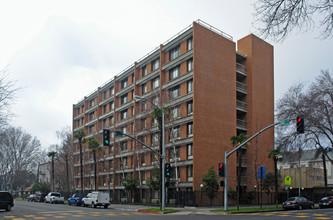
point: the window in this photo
(124, 130)
(174, 153)
(154, 138)
(111, 150)
(143, 123)
(190, 44)
(190, 86)
(92, 116)
(190, 172)
(144, 88)
(174, 53)
(124, 161)
(190, 107)
(124, 114)
(104, 123)
(175, 132)
(123, 146)
(174, 92)
(144, 71)
(104, 94)
(156, 100)
(143, 106)
(175, 171)
(174, 73)
(175, 112)
(111, 91)
(190, 129)
(111, 106)
(124, 99)
(143, 159)
(143, 177)
(189, 65)
(156, 82)
(91, 129)
(92, 103)
(111, 120)
(124, 83)
(104, 109)
(155, 64)
(189, 151)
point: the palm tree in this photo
(94, 146)
(80, 134)
(52, 155)
(275, 153)
(237, 140)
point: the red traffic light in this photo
(299, 119)
(220, 165)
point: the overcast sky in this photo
(60, 51)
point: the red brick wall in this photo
(214, 100)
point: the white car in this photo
(54, 197)
(95, 199)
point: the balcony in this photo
(242, 106)
(241, 87)
(242, 125)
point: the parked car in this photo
(95, 199)
(326, 202)
(33, 198)
(76, 199)
(54, 197)
(6, 201)
(297, 203)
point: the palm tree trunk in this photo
(52, 174)
(81, 166)
(95, 171)
(276, 182)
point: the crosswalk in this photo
(290, 215)
(64, 215)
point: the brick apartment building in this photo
(212, 91)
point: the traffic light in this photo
(106, 137)
(221, 169)
(167, 170)
(300, 124)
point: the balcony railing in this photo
(241, 105)
(241, 68)
(241, 87)
(241, 124)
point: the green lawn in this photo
(249, 209)
(157, 210)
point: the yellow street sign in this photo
(287, 180)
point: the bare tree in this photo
(65, 136)
(277, 18)
(7, 96)
(316, 104)
(19, 152)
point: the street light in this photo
(163, 148)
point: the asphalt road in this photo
(31, 211)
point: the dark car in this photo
(76, 199)
(33, 198)
(6, 201)
(297, 203)
(326, 202)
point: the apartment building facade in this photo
(211, 91)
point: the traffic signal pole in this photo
(226, 155)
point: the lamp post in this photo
(163, 148)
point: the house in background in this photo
(311, 169)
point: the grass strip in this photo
(249, 210)
(157, 210)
